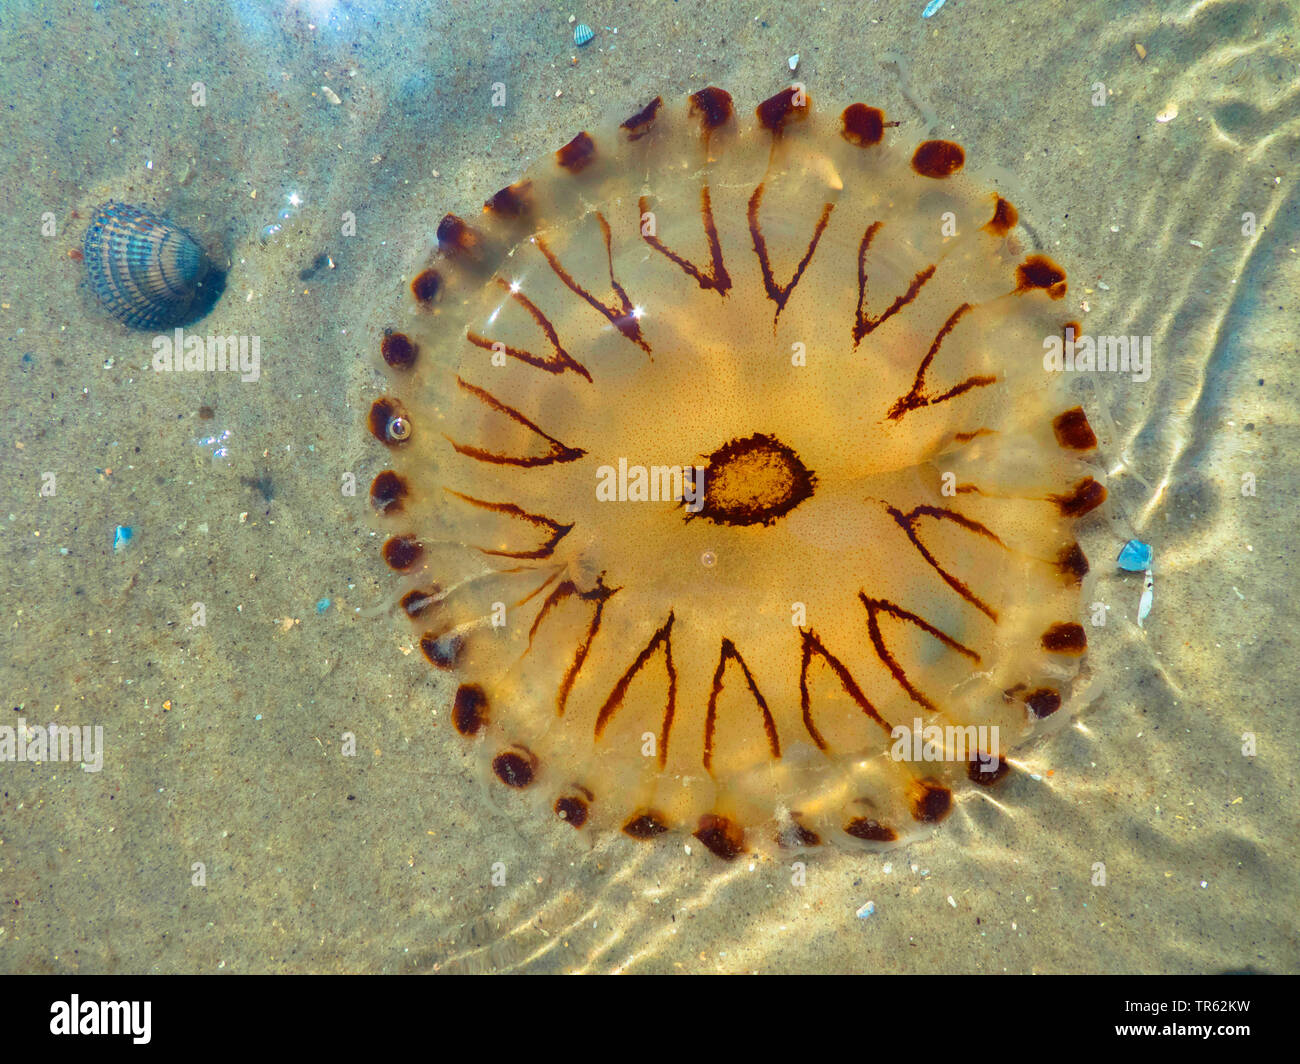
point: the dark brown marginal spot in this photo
(1004, 218)
(560, 361)
(1072, 563)
(813, 645)
(513, 201)
(793, 835)
(643, 121)
(774, 112)
(723, 837)
(1065, 637)
(863, 125)
(623, 317)
(1084, 497)
(931, 801)
(915, 398)
(558, 452)
(401, 552)
(578, 154)
(398, 349)
(864, 323)
(1038, 271)
(1073, 431)
(469, 712)
(753, 481)
(729, 652)
(938, 158)
(443, 651)
(573, 808)
(663, 638)
(985, 771)
(426, 286)
(875, 607)
(383, 411)
(456, 238)
(509, 509)
(416, 603)
(516, 767)
(713, 106)
(1043, 702)
(388, 492)
(907, 522)
(779, 294)
(861, 827)
(645, 826)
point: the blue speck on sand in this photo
(322, 605)
(1135, 556)
(258, 717)
(932, 8)
(122, 536)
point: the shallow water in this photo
(223, 740)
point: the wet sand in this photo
(222, 740)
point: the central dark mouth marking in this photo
(753, 482)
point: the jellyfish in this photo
(726, 490)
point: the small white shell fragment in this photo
(793, 60)
(582, 34)
(1196, 243)
(866, 910)
(951, 901)
(1148, 594)
(330, 95)
(1168, 114)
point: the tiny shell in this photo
(146, 271)
(582, 34)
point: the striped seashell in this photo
(582, 34)
(146, 271)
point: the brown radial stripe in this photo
(1084, 497)
(398, 349)
(643, 121)
(723, 837)
(515, 768)
(560, 361)
(513, 201)
(774, 112)
(864, 323)
(931, 801)
(915, 399)
(469, 712)
(578, 154)
(599, 595)
(1038, 271)
(1072, 563)
(861, 827)
(645, 826)
(938, 158)
(426, 286)
(1073, 431)
(1004, 218)
(713, 107)
(388, 492)
(729, 652)
(558, 451)
(812, 644)
(717, 278)
(1065, 637)
(663, 638)
(509, 509)
(779, 294)
(877, 606)
(402, 552)
(863, 125)
(907, 522)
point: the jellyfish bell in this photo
(846, 494)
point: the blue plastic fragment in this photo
(122, 536)
(322, 605)
(932, 8)
(1135, 556)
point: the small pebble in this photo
(793, 60)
